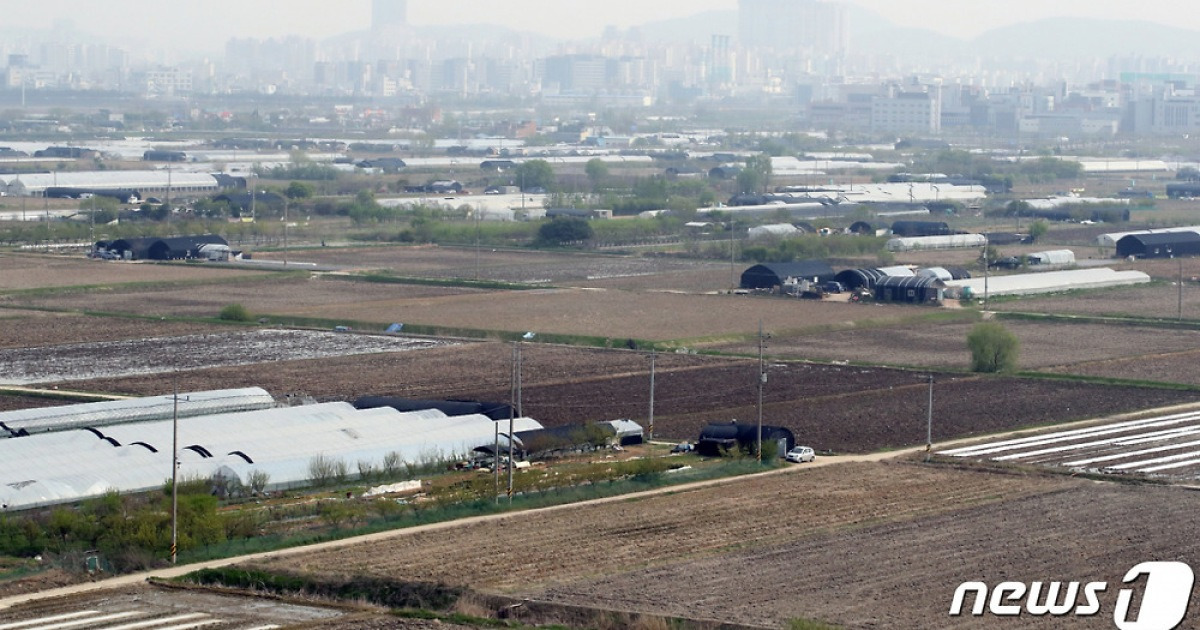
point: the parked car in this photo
(800, 454)
(683, 447)
(833, 286)
(1008, 262)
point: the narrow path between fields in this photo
(172, 572)
(57, 393)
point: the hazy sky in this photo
(205, 25)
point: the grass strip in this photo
(479, 507)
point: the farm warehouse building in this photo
(719, 439)
(1110, 239)
(65, 466)
(770, 275)
(912, 290)
(1047, 282)
(98, 414)
(866, 278)
(1160, 245)
(157, 182)
(210, 246)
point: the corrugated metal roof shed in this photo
(98, 414)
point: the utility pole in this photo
(168, 204)
(496, 460)
(174, 471)
(520, 411)
(1180, 285)
(986, 268)
(516, 387)
(929, 422)
(762, 380)
(285, 229)
(651, 423)
(732, 261)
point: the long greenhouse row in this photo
(279, 444)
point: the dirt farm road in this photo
(172, 572)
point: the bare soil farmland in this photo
(560, 547)
(572, 269)
(832, 408)
(944, 345)
(1181, 365)
(465, 370)
(161, 355)
(30, 329)
(616, 314)
(902, 572)
(11, 402)
(31, 271)
(261, 295)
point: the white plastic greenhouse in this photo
(97, 414)
(70, 465)
(1047, 282)
(948, 241)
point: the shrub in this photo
(235, 313)
(993, 348)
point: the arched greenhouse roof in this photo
(65, 466)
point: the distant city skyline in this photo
(205, 26)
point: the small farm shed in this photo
(1052, 257)
(565, 439)
(1159, 245)
(770, 275)
(913, 290)
(774, 230)
(720, 439)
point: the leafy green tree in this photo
(993, 348)
(564, 230)
(597, 172)
(299, 190)
(534, 174)
(1037, 230)
(235, 313)
(756, 177)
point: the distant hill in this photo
(1052, 38)
(1086, 37)
(693, 28)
